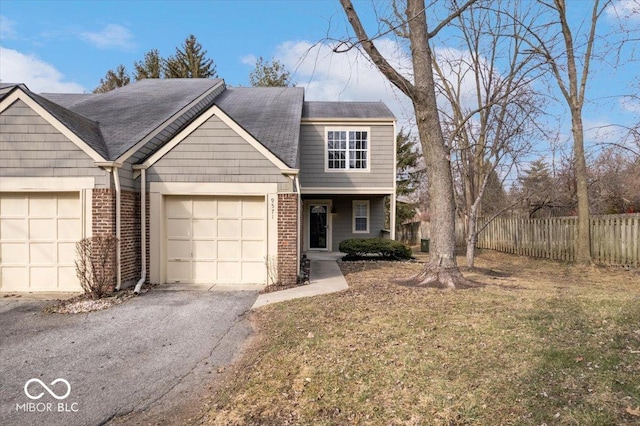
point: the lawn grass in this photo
(541, 343)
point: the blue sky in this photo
(67, 46)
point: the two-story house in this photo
(200, 182)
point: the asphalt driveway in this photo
(147, 354)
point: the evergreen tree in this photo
(190, 62)
(113, 79)
(151, 67)
(269, 74)
(408, 177)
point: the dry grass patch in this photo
(542, 342)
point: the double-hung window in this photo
(361, 216)
(347, 150)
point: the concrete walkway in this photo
(325, 277)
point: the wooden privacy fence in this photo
(615, 239)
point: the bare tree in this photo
(491, 106)
(442, 270)
(569, 56)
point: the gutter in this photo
(116, 178)
(143, 230)
(296, 181)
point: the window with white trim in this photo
(361, 216)
(347, 150)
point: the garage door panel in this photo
(204, 227)
(178, 228)
(68, 205)
(205, 271)
(178, 271)
(252, 229)
(179, 249)
(205, 208)
(67, 279)
(43, 278)
(69, 229)
(13, 253)
(13, 229)
(228, 271)
(42, 205)
(14, 278)
(42, 254)
(204, 250)
(13, 205)
(228, 250)
(179, 207)
(228, 228)
(42, 229)
(252, 249)
(229, 208)
(252, 208)
(67, 253)
(253, 272)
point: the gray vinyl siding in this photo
(31, 147)
(215, 153)
(381, 172)
(342, 221)
(173, 128)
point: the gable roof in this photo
(270, 114)
(128, 114)
(340, 111)
(152, 112)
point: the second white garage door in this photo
(215, 240)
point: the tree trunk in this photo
(442, 270)
(583, 249)
(472, 234)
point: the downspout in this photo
(116, 178)
(143, 230)
(296, 182)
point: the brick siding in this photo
(287, 238)
(130, 236)
(104, 223)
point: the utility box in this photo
(424, 245)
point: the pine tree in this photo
(408, 176)
(151, 67)
(190, 62)
(113, 79)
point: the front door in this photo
(318, 226)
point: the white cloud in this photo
(7, 28)
(600, 132)
(38, 75)
(348, 76)
(249, 60)
(624, 9)
(630, 104)
(112, 36)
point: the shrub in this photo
(95, 264)
(389, 249)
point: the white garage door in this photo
(38, 232)
(215, 239)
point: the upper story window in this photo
(347, 150)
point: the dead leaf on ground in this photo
(633, 412)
